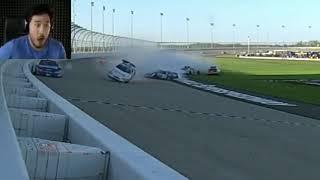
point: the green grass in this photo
(253, 75)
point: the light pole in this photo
(187, 26)
(309, 27)
(74, 21)
(74, 12)
(234, 38)
(258, 26)
(132, 28)
(212, 45)
(103, 9)
(92, 4)
(113, 11)
(283, 27)
(113, 44)
(161, 35)
(248, 45)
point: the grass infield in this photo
(267, 77)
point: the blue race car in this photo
(47, 68)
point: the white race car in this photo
(123, 72)
(213, 70)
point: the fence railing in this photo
(84, 40)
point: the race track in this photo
(201, 135)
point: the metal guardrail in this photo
(84, 40)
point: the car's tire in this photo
(33, 71)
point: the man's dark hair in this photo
(39, 9)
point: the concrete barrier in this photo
(31, 92)
(42, 125)
(31, 103)
(127, 161)
(12, 165)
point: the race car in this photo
(160, 74)
(213, 70)
(123, 72)
(187, 70)
(48, 68)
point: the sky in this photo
(296, 15)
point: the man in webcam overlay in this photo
(36, 44)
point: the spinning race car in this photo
(160, 74)
(123, 72)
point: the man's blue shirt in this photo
(21, 48)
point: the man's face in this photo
(39, 29)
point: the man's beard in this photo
(39, 42)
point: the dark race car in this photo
(160, 74)
(48, 68)
(187, 70)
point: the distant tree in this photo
(300, 44)
(314, 43)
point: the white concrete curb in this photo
(234, 94)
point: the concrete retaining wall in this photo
(127, 161)
(12, 165)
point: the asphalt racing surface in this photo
(201, 135)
